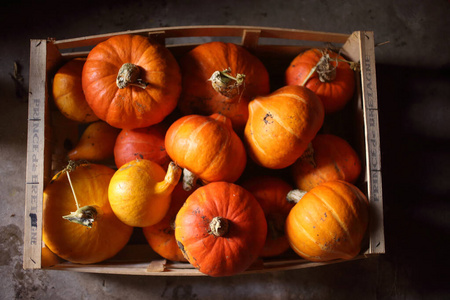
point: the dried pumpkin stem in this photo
(129, 74)
(85, 215)
(294, 196)
(189, 180)
(325, 70)
(218, 226)
(73, 191)
(226, 84)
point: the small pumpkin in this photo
(131, 82)
(327, 74)
(221, 78)
(96, 143)
(328, 222)
(221, 229)
(271, 192)
(142, 143)
(207, 148)
(328, 158)
(161, 236)
(94, 233)
(281, 125)
(68, 93)
(140, 192)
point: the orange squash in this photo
(161, 236)
(271, 194)
(221, 229)
(140, 192)
(281, 125)
(221, 78)
(142, 143)
(207, 148)
(68, 92)
(96, 143)
(328, 222)
(325, 73)
(131, 82)
(329, 158)
(95, 233)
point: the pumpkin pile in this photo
(213, 165)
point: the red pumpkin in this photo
(221, 78)
(131, 82)
(325, 73)
(207, 147)
(141, 143)
(221, 229)
(271, 194)
(328, 222)
(329, 158)
(281, 125)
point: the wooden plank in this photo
(372, 141)
(250, 39)
(35, 155)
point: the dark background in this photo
(413, 82)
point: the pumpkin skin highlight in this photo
(161, 236)
(140, 192)
(74, 242)
(232, 252)
(198, 95)
(68, 92)
(333, 159)
(271, 192)
(328, 222)
(132, 106)
(334, 93)
(281, 125)
(207, 146)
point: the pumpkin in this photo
(94, 233)
(329, 157)
(281, 125)
(325, 73)
(140, 192)
(161, 236)
(207, 148)
(271, 192)
(96, 143)
(142, 143)
(131, 82)
(221, 229)
(328, 222)
(220, 77)
(68, 93)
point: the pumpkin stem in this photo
(325, 70)
(294, 196)
(189, 180)
(85, 215)
(129, 75)
(226, 84)
(170, 180)
(218, 226)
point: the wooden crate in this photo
(276, 47)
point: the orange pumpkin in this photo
(142, 143)
(131, 82)
(96, 143)
(325, 73)
(161, 236)
(68, 92)
(103, 235)
(140, 192)
(206, 147)
(221, 229)
(329, 158)
(328, 222)
(221, 78)
(281, 125)
(271, 194)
